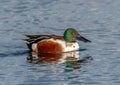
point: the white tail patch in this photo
(34, 46)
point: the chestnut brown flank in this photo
(49, 47)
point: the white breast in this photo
(69, 46)
(72, 47)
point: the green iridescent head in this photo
(71, 35)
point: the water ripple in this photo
(98, 20)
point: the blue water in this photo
(97, 20)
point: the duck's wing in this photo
(32, 39)
(34, 36)
(37, 38)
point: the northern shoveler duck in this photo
(55, 43)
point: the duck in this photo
(55, 43)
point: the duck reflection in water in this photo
(70, 59)
(51, 57)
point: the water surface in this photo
(97, 20)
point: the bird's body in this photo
(55, 43)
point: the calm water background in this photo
(98, 20)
